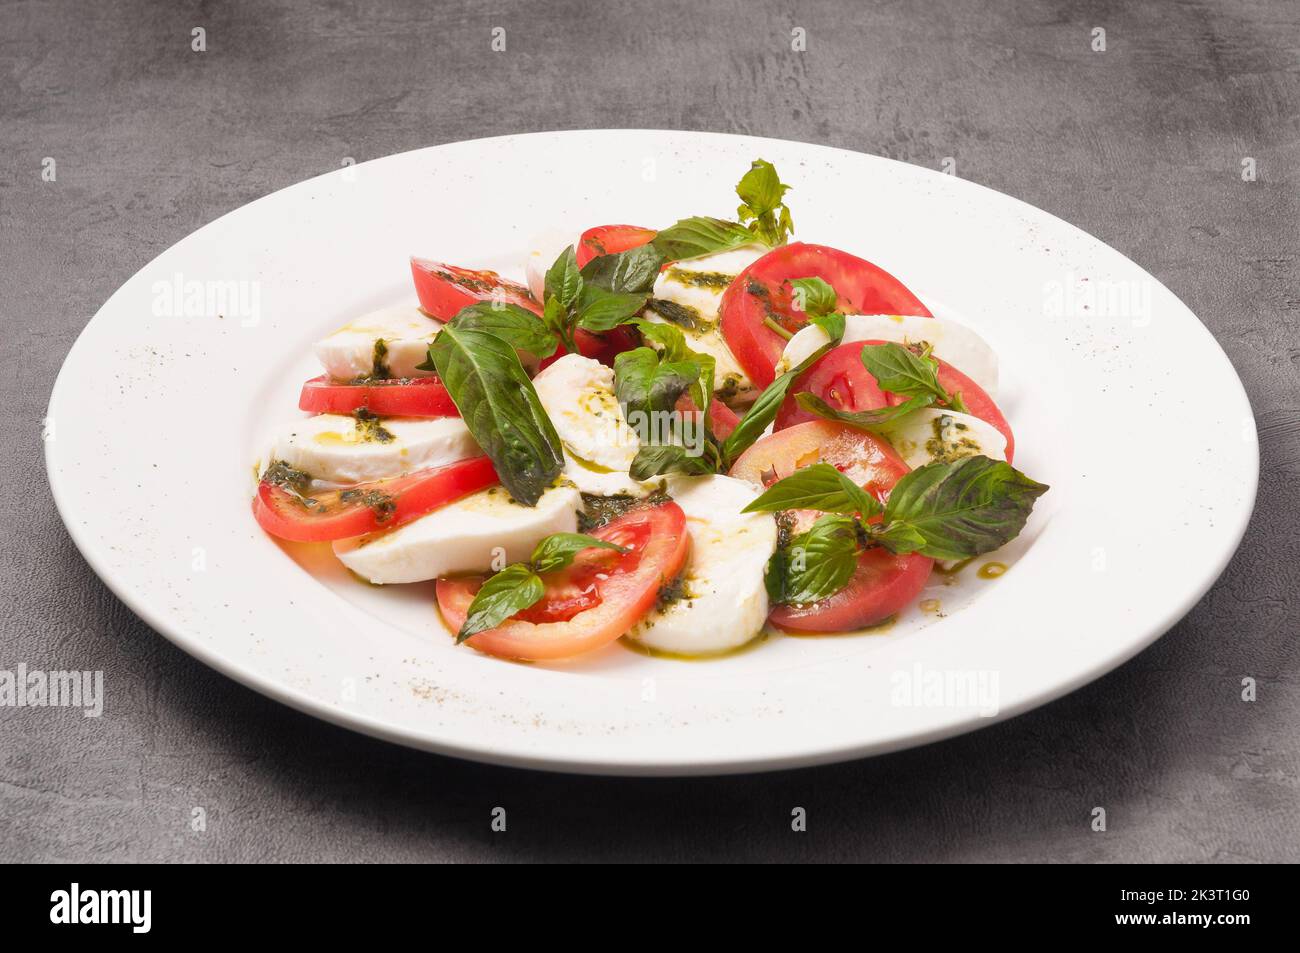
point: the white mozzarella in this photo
(406, 331)
(724, 601)
(578, 395)
(933, 435)
(543, 249)
(464, 536)
(955, 343)
(698, 284)
(331, 447)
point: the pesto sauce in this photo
(679, 314)
(286, 477)
(370, 428)
(949, 442)
(714, 280)
(599, 510)
(379, 502)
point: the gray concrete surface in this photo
(1141, 145)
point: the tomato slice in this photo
(763, 291)
(444, 290)
(838, 378)
(625, 586)
(882, 583)
(722, 419)
(865, 458)
(610, 240)
(367, 507)
(602, 347)
(420, 397)
(841, 380)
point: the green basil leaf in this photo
(512, 590)
(763, 411)
(652, 461)
(518, 327)
(762, 197)
(832, 324)
(642, 383)
(816, 487)
(813, 296)
(500, 407)
(871, 421)
(821, 561)
(673, 347)
(628, 272)
(899, 371)
(563, 280)
(557, 550)
(699, 236)
(957, 510)
(601, 310)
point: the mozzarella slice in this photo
(339, 449)
(578, 395)
(933, 435)
(955, 343)
(484, 531)
(354, 350)
(544, 247)
(723, 603)
(697, 285)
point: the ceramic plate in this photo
(1119, 398)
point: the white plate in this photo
(1119, 397)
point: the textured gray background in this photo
(1140, 145)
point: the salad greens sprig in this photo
(954, 510)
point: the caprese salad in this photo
(683, 437)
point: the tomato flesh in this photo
(883, 583)
(610, 240)
(602, 347)
(763, 292)
(841, 379)
(367, 507)
(593, 602)
(419, 397)
(444, 290)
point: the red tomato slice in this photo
(602, 347)
(866, 459)
(610, 240)
(837, 378)
(722, 418)
(444, 290)
(763, 291)
(883, 583)
(841, 380)
(626, 586)
(367, 507)
(420, 397)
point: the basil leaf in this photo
(821, 561)
(629, 272)
(762, 193)
(563, 280)
(601, 310)
(699, 236)
(675, 349)
(870, 420)
(957, 510)
(817, 487)
(652, 461)
(518, 327)
(832, 324)
(643, 384)
(763, 411)
(557, 550)
(899, 371)
(500, 407)
(512, 590)
(684, 316)
(813, 296)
